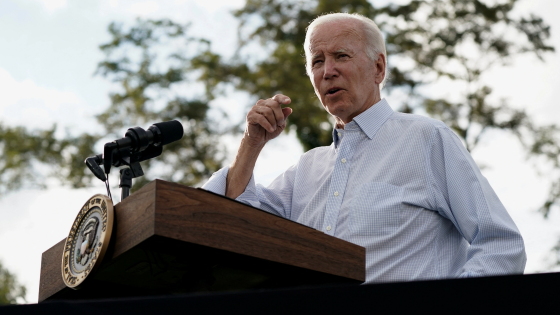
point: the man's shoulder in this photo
(415, 124)
(317, 152)
(320, 150)
(418, 120)
(418, 126)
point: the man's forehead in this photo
(335, 36)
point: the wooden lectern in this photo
(173, 239)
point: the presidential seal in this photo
(88, 240)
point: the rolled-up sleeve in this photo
(217, 184)
(276, 198)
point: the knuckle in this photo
(252, 113)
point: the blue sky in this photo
(48, 55)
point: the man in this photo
(403, 186)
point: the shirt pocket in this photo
(376, 209)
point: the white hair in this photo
(375, 44)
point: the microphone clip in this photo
(137, 145)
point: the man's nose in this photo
(331, 70)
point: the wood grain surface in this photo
(196, 216)
(50, 280)
(133, 223)
(201, 217)
(134, 219)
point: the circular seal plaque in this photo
(88, 240)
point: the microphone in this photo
(141, 144)
(168, 131)
(138, 139)
(137, 145)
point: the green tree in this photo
(10, 289)
(150, 64)
(156, 63)
(22, 149)
(150, 61)
(459, 40)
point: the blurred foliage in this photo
(428, 42)
(150, 61)
(163, 73)
(21, 150)
(10, 289)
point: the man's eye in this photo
(343, 56)
(316, 62)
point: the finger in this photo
(270, 113)
(257, 118)
(286, 111)
(278, 100)
(282, 99)
(278, 114)
(265, 123)
(271, 110)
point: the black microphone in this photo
(168, 131)
(141, 144)
(137, 145)
(138, 139)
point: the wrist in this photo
(250, 146)
(241, 169)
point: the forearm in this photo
(265, 121)
(241, 169)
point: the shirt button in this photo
(339, 134)
(336, 193)
(343, 160)
(328, 228)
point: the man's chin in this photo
(337, 109)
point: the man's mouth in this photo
(332, 91)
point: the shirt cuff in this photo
(217, 184)
(249, 196)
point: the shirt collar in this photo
(369, 121)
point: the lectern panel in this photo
(172, 239)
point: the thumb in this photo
(287, 112)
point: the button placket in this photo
(338, 183)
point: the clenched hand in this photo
(266, 120)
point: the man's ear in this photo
(380, 65)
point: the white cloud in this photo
(144, 8)
(26, 103)
(52, 6)
(32, 222)
(212, 6)
(37, 222)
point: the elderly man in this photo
(403, 186)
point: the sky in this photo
(48, 56)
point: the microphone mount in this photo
(136, 146)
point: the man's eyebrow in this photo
(342, 50)
(316, 55)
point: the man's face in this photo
(345, 79)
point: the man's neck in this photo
(341, 123)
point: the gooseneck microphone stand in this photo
(125, 182)
(137, 145)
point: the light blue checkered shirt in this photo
(405, 188)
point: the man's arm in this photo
(265, 121)
(466, 198)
